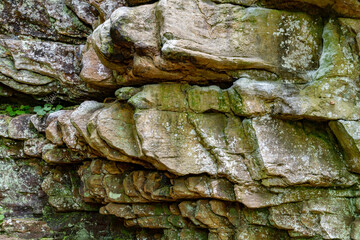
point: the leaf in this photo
(39, 111)
(24, 107)
(37, 108)
(19, 112)
(47, 107)
(9, 109)
(58, 107)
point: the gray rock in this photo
(44, 19)
(83, 10)
(61, 191)
(4, 125)
(106, 7)
(19, 128)
(33, 147)
(348, 134)
(39, 122)
(35, 63)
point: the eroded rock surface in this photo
(190, 119)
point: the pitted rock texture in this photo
(191, 119)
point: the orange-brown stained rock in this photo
(94, 72)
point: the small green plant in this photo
(47, 108)
(15, 111)
(2, 216)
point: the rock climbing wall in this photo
(184, 119)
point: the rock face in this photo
(214, 42)
(206, 119)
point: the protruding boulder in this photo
(208, 55)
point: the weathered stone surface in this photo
(62, 187)
(248, 153)
(325, 217)
(202, 99)
(119, 210)
(22, 228)
(355, 227)
(347, 8)
(126, 93)
(80, 116)
(54, 134)
(347, 132)
(225, 139)
(83, 10)
(165, 97)
(169, 138)
(20, 190)
(62, 156)
(22, 76)
(288, 153)
(217, 48)
(11, 149)
(41, 68)
(106, 7)
(4, 125)
(116, 126)
(39, 122)
(94, 72)
(20, 128)
(257, 196)
(251, 97)
(70, 135)
(45, 19)
(33, 147)
(120, 183)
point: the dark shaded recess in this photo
(18, 99)
(132, 3)
(22, 99)
(296, 6)
(101, 226)
(124, 48)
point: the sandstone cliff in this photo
(180, 119)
